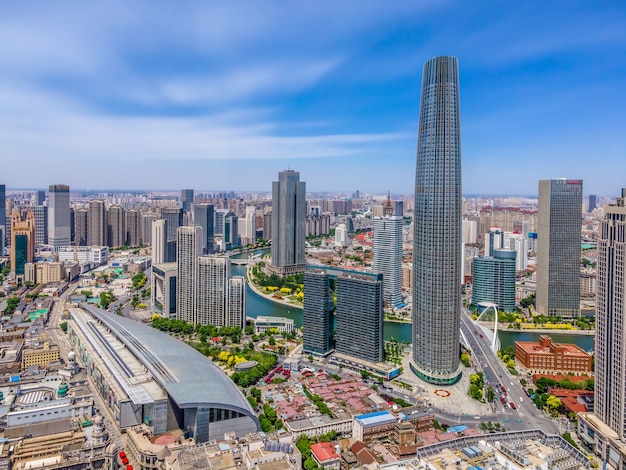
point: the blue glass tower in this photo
(437, 228)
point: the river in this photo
(257, 305)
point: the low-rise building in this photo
(373, 426)
(41, 356)
(265, 324)
(546, 356)
(326, 455)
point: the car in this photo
(476, 417)
(503, 400)
(512, 405)
(503, 388)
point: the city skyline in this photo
(198, 104)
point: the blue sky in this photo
(223, 95)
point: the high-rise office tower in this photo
(288, 224)
(267, 226)
(247, 226)
(610, 344)
(188, 249)
(558, 248)
(593, 200)
(174, 218)
(437, 229)
(22, 241)
(494, 280)
(388, 257)
(220, 215)
(81, 220)
(40, 197)
(203, 216)
(133, 227)
(359, 316)
(41, 225)
(3, 210)
(519, 243)
(317, 314)
(146, 228)
(97, 234)
(186, 199)
(231, 232)
(159, 241)
(605, 429)
(236, 315)
(494, 240)
(212, 276)
(59, 219)
(116, 226)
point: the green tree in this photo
(63, 326)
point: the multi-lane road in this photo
(485, 359)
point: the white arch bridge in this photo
(489, 313)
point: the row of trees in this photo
(203, 331)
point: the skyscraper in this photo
(288, 224)
(97, 234)
(133, 227)
(610, 370)
(159, 241)
(437, 229)
(186, 199)
(605, 429)
(188, 249)
(22, 241)
(59, 230)
(40, 197)
(213, 273)
(494, 280)
(116, 226)
(236, 315)
(203, 216)
(359, 316)
(317, 314)
(81, 221)
(593, 200)
(388, 257)
(3, 210)
(558, 250)
(174, 218)
(231, 233)
(41, 225)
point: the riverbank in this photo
(505, 327)
(269, 297)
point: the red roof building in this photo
(325, 455)
(548, 357)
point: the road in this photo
(526, 415)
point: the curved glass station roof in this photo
(188, 377)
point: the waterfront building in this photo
(189, 248)
(116, 229)
(133, 228)
(317, 314)
(159, 241)
(546, 357)
(263, 324)
(605, 430)
(359, 316)
(220, 215)
(186, 200)
(437, 237)
(204, 216)
(96, 236)
(288, 224)
(212, 276)
(494, 280)
(231, 233)
(236, 301)
(41, 225)
(59, 219)
(558, 255)
(388, 257)
(22, 241)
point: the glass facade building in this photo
(359, 316)
(437, 236)
(558, 248)
(317, 314)
(388, 257)
(610, 343)
(494, 280)
(59, 218)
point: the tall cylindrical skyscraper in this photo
(437, 228)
